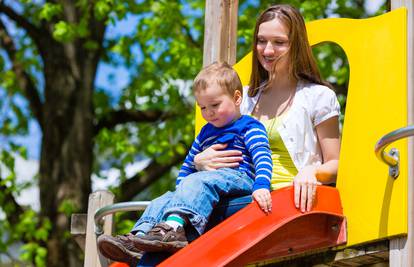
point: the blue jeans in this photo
(195, 197)
(224, 209)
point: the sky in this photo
(107, 77)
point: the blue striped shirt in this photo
(247, 135)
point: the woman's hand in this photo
(215, 157)
(305, 183)
(263, 198)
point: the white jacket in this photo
(312, 104)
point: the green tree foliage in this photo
(49, 57)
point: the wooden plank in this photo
(78, 223)
(96, 200)
(409, 245)
(220, 31)
(398, 253)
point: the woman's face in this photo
(272, 43)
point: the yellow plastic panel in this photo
(375, 205)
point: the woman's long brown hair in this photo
(302, 63)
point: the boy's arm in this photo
(188, 166)
(257, 144)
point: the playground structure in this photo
(369, 215)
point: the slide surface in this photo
(252, 236)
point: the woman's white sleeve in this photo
(326, 105)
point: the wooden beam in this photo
(78, 224)
(409, 244)
(220, 31)
(97, 200)
(398, 252)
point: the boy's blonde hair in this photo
(218, 73)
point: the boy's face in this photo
(217, 106)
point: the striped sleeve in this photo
(188, 166)
(257, 144)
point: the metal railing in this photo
(392, 159)
(117, 207)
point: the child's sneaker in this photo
(119, 248)
(162, 238)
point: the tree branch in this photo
(33, 31)
(23, 78)
(12, 217)
(190, 36)
(154, 171)
(123, 116)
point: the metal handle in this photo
(110, 209)
(392, 159)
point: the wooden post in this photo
(220, 31)
(97, 200)
(405, 257)
(78, 224)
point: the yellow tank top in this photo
(284, 169)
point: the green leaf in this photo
(63, 32)
(67, 207)
(40, 258)
(49, 11)
(102, 8)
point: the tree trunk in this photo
(67, 147)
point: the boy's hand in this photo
(263, 198)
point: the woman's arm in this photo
(306, 180)
(328, 135)
(215, 157)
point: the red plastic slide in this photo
(251, 236)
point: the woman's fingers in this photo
(297, 193)
(218, 146)
(225, 165)
(304, 195)
(228, 159)
(227, 162)
(228, 153)
(310, 196)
